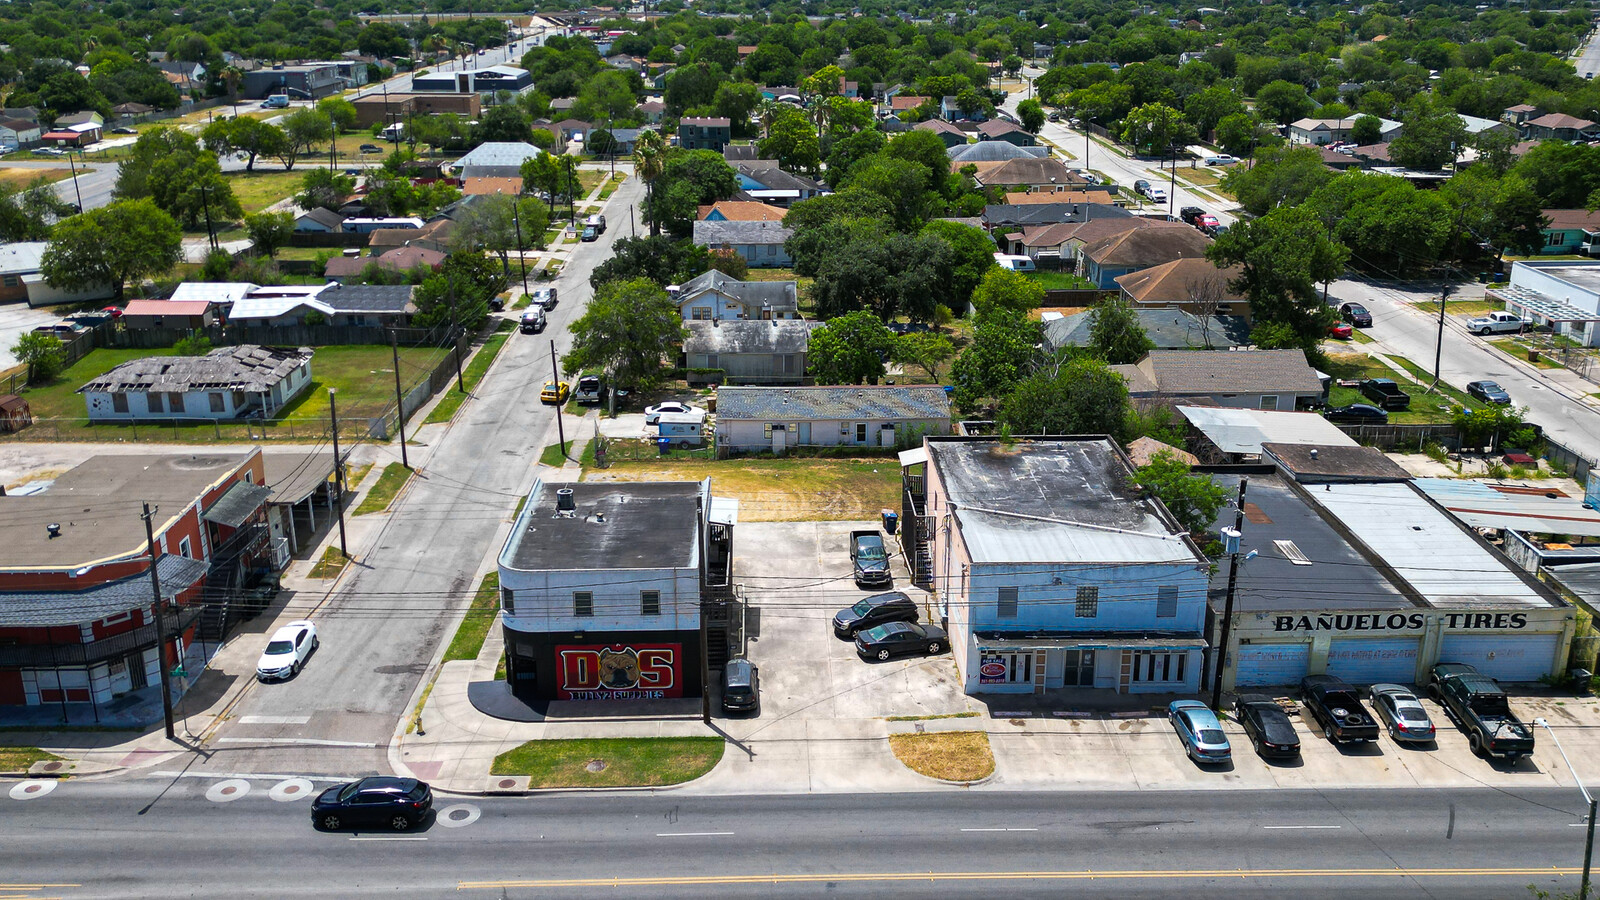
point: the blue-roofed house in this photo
(753, 419)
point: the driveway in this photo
(17, 319)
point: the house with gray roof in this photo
(753, 419)
(763, 180)
(228, 383)
(992, 151)
(760, 243)
(495, 159)
(1247, 379)
(1168, 329)
(749, 351)
(714, 295)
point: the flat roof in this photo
(97, 505)
(1302, 562)
(1053, 500)
(617, 525)
(1437, 556)
(1245, 430)
(1579, 273)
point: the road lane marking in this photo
(396, 837)
(291, 789)
(1301, 827)
(999, 829)
(696, 834)
(305, 742)
(274, 720)
(31, 790)
(1083, 875)
(228, 791)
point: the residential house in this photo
(1001, 130)
(1063, 242)
(1193, 284)
(494, 159)
(77, 616)
(1520, 114)
(353, 305)
(623, 142)
(905, 105)
(704, 133)
(623, 62)
(1089, 193)
(20, 278)
(1335, 131)
(435, 235)
(950, 134)
(1476, 126)
(763, 180)
(1139, 248)
(563, 104)
(1251, 379)
(78, 129)
(18, 133)
(491, 185)
(169, 314)
(1561, 127)
(188, 77)
(651, 111)
(1571, 231)
(227, 383)
(319, 221)
(951, 111)
(220, 294)
(849, 89)
(1042, 174)
(402, 259)
(741, 211)
(738, 153)
(1168, 329)
(367, 224)
(572, 130)
(756, 419)
(760, 243)
(991, 151)
(616, 591)
(713, 295)
(997, 216)
(1051, 569)
(749, 351)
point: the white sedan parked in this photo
(287, 652)
(652, 415)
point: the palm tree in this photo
(231, 76)
(767, 113)
(649, 157)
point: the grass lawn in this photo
(591, 179)
(480, 616)
(394, 477)
(309, 254)
(1425, 408)
(611, 186)
(552, 455)
(611, 762)
(330, 565)
(19, 759)
(779, 490)
(948, 755)
(59, 398)
(1461, 307)
(1510, 347)
(258, 190)
(353, 477)
(1061, 281)
(19, 179)
(470, 376)
(363, 376)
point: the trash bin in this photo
(1533, 356)
(1580, 681)
(663, 444)
(891, 520)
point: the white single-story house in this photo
(713, 295)
(753, 419)
(227, 383)
(749, 351)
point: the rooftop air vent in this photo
(1313, 453)
(566, 507)
(54, 529)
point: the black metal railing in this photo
(47, 656)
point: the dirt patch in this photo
(781, 490)
(949, 756)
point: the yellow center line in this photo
(1086, 874)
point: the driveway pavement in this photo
(17, 319)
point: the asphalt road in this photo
(379, 629)
(180, 837)
(510, 54)
(1587, 62)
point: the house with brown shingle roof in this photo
(1194, 285)
(1570, 231)
(1139, 248)
(1241, 379)
(1036, 173)
(1561, 127)
(905, 103)
(1022, 198)
(950, 134)
(434, 235)
(1001, 130)
(402, 260)
(1066, 239)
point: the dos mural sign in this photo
(619, 672)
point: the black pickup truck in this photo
(1336, 706)
(1478, 706)
(869, 559)
(1385, 394)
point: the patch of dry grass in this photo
(781, 490)
(947, 755)
(611, 762)
(19, 178)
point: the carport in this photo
(299, 481)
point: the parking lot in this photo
(15, 320)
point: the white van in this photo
(1014, 263)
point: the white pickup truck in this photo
(1497, 323)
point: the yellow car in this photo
(555, 393)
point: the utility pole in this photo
(338, 469)
(1438, 345)
(399, 400)
(77, 190)
(205, 202)
(561, 432)
(522, 255)
(161, 622)
(1172, 191)
(1231, 540)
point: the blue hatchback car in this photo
(1200, 732)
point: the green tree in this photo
(1076, 396)
(735, 101)
(901, 182)
(926, 350)
(1002, 347)
(1280, 177)
(494, 224)
(29, 213)
(1389, 226)
(1031, 112)
(1154, 128)
(1194, 500)
(458, 293)
(1002, 288)
(1208, 107)
(503, 123)
(245, 135)
(1285, 255)
(270, 231)
(303, 130)
(1115, 333)
(649, 160)
(792, 142)
(1366, 130)
(1241, 133)
(972, 257)
(1433, 137)
(849, 349)
(658, 259)
(628, 330)
(43, 354)
(320, 188)
(127, 240)
(193, 345)
(341, 111)
(1283, 102)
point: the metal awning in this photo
(237, 504)
(987, 642)
(724, 511)
(914, 456)
(1542, 305)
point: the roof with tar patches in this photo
(615, 526)
(1302, 561)
(1065, 500)
(1440, 558)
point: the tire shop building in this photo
(1364, 577)
(613, 591)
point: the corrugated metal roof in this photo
(214, 291)
(1484, 505)
(237, 504)
(849, 402)
(1444, 563)
(1245, 430)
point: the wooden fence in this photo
(270, 335)
(1388, 437)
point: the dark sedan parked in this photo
(877, 609)
(1357, 414)
(1488, 392)
(1355, 314)
(1268, 726)
(900, 639)
(383, 801)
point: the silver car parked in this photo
(1402, 713)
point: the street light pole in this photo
(1594, 807)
